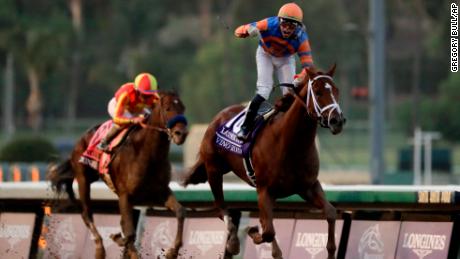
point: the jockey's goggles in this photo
(291, 24)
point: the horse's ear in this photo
(332, 70)
(311, 71)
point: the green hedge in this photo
(28, 149)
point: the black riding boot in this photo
(250, 116)
(104, 145)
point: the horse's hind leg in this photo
(317, 197)
(87, 214)
(172, 204)
(127, 226)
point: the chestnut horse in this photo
(140, 171)
(284, 157)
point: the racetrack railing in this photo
(373, 221)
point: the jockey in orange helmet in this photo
(130, 103)
(280, 37)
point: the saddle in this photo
(226, 136)
(94, 157)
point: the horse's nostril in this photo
(177, 133)
(333, 121)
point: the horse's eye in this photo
(318, 93)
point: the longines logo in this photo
(14, 233)
(314, 243)
(371, 244)
(424, 244)
(205, 240)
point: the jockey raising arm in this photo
(280, 37)
(129, 104)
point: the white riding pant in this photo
(113, 104)
(111, 109)
(266, 65)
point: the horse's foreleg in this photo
(87, 215)
(318, 198)
(127, 226)
(232, 221)
(265, 202)
(215, 179)
(173, 205)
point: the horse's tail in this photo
(61, 178)
(197, 174)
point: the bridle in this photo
(167, 125)
(317, 107)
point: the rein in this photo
(164, 128)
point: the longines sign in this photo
(424, 240)
(16, 234)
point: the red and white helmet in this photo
(146, 84)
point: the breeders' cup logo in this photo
(424, 244)
(162, 238)
(65, 238)
(314, 243)
(371, 244)
(205, 240)
(14, 233)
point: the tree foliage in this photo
(190, 46)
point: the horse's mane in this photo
(283, 103)
(172, 92)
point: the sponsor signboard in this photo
(283, 228)
(16, 231)
(427, 240)
(106, 225)
(63, 236)
(310, 238)
(157, 236)
(204, 238)
(372, 239)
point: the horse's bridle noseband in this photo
(318, 109)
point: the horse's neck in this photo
(152, 139)
(297, 125)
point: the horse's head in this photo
(322, 97)
(172, 113)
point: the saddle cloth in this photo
(226, 137)
(95, 158)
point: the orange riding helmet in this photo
(291, 11)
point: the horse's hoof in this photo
(252, 230)
(117, 238)
(233, 245)
(171, 253)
